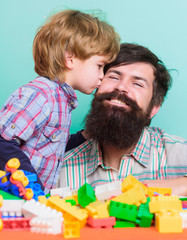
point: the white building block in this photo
(46, 225)
(108, 190)
(12, 208)
(62, 192)
(184, 219)
(32, 208)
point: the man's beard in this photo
(113, 125)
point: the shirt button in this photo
(54, 136)
(13, 126)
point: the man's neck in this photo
(112, 156)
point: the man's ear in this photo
(154, 111)
(69, 60)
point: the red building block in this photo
(101, 222)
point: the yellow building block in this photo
(74, 197)
(168, 221)
(71, 229)
(2, 173)
(42, 200)
(98, 209)
(134, 196)
(160, 190)
(65, 207)
(130, 182)
(159, 203)
(1, 201)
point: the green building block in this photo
(144, 217)
(123, 211)
(8, 196)
(72, 201)
(86, 195)
(124, 224)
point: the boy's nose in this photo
(101, 75)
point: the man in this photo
(120, 142)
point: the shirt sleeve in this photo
(75, 140)
(24, 113)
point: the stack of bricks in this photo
(112, 205)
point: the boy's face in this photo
(86, 75)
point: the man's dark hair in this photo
(133, 53)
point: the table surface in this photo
(88, 233)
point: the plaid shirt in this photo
(38, 117)
(157, 155)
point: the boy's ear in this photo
(154, 111)
(69, 60)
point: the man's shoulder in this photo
(160, 135)
(80, 153)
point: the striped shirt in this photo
(156, 155)
(38, 117)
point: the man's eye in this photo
(100, 66)
(114, 77)
(138, 84)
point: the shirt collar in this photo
(95, 159)
(70, 92)
(141, 151)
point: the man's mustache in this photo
(99, 97)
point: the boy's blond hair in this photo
(77, 33)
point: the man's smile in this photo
(117, 102)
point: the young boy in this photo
(69, 51)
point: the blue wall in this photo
(159, 25)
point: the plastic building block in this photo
(130, 182)
(32, 177)
(62, 192)
(13, 163)
(32, 208)
(184, 219)
(162, 191)
(36, 189)
(73, 197)
(123, 211)
(42, 200)
(108, 190)
(168, 221)
(71, 201)
(101, 222)
(86, 195)
(3, 177)
(144, 217)
(66, 208)
(98, 209)
(123, 224)
(1, 224)
(159, 203)
(52, 225)
(134, 196)
(71, 229)
(1, 201)
(12, 208)
(16, 223)
(9, 196)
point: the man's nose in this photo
(123, 86)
